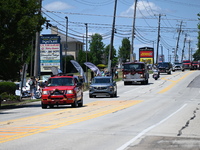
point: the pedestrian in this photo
(116, 74)
(32, 83)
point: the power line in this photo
(98, 15)
(89, 3)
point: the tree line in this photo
(20, 20)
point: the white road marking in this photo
(148, 129)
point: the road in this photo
(165, 114)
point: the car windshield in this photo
(178, 64)
(101, 80)
(163, 64)
(186, 61)
(133, 66)
(60, 82)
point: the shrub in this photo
(8, 87)
(9, 97)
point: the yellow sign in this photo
(147, 60)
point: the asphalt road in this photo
(165, 114)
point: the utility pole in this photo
(112, 39)
(179, 32)
(183, 48)
(133, 33)
(37, 47)
(189, 51)
(86, 48)
(158, 39)
(66, 47)
(162, 55)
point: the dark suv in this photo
(103, 86)
(62, 90)
(165, 67)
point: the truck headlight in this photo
(44, 92)
(69, 91)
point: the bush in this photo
(8, 87)
(9, 97)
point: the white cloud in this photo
(57, 5)
(144, 8)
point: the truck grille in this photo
(57, 92)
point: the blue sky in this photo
(98, 14)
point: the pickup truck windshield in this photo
(60, 82)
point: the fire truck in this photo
(195, 65)
(186, 64)
(135, 72)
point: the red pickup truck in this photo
(62, 90)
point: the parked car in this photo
(165, 67)
(177, 67)
(103, 86)
(62, 90)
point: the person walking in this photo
(32, 84)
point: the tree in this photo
(113, 53)
(69, 66)
(96, 49)
(81, 59)
(20, 20)
(124, 50)
(196, 55)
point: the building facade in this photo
(73, 45)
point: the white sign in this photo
(49, 57)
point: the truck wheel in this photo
(80, 104)
(44, 106)
(74, 104)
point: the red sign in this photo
(146, 54)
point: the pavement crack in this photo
(188, 122)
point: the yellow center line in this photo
(174, 82)
(58, 119)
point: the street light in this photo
(66, 47)
(86, 48)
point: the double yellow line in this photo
(18, 128)
(173, 83)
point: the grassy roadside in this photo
(13, 104)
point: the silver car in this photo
(103, 87)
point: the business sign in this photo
(50, 52)
(146, 54)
